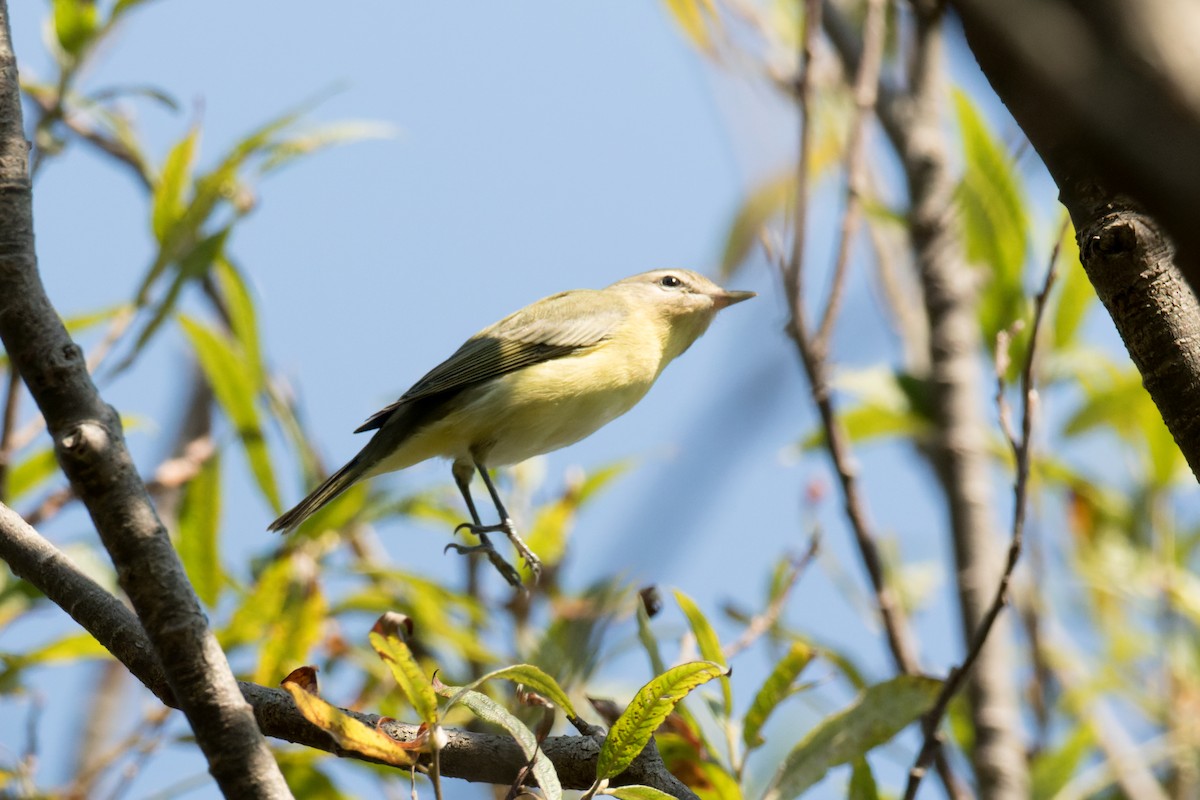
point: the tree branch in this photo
(959, 448)
(1137, 135)
(1109, 85)
(90, 447)
(1020, 445)
(470, 756)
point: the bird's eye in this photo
(670, 281)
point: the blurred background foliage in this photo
(1106, 596)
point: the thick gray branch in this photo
(960, 443)
(912, 121)
(1126, 254)
(1110, 82)
(471, 756)
(90, 446)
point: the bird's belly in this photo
(529, 412)
(534, 416)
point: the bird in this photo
(538, 380)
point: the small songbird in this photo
(540, 379)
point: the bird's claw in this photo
(507, 570)
(508, 529)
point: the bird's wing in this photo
(551, 328)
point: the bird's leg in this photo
(507, 528)
(479, 529)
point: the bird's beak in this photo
(727, 297)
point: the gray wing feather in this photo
(551, 328)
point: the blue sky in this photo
(541, 146)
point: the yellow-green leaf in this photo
(489, 710)
(389, 637)
(349, 732)
(533, 678)
(707, 641)
(767, 201)
(292, 631)
(694, 17)
(1075, 294)
(75, 23)
(873, 718)
(234, 388)
(168, 206)
(649, 707)
(774, 690)
(862, 782)
(996, 225)
(199, 524)
(30, 472)
(637, 792)
(242, 318)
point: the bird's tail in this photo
(334, 485)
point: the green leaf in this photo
(721, 785)
(707, 641)
(242, 317)
(280, 154)
(1075, 294)
(995, 222)
(1054, 767)
(694, 17)
(167, 205)
(30, 472)
(291, 632)
(389, 637)
(649, 707)
(302, 771)
(75, 24)
(529, 676)
(123, 6)
(766, 202)
(774, 690)
(234, 388)
(873, 718)
(649, 642)
(199, 525)
(194, 266)
(72, 647)
(489, 710)
(637, 792)
(862, 782)
(891, 404)
(1124, 407)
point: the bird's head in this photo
(684, 301)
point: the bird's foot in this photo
(507, 570)
(508, 529)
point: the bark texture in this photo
(1126, 252)
(1115, 83)
(471, 756)
(90, 446)
(960, 447)
(912, 120)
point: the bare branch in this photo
(866, 91)
(1020, 445)
(90, 447)
(470, 756)
(761, 623)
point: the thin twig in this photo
(899, 638)
(793, 269)
(54, 110)
(1020, 445)
(866, 92)
(761, 623)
